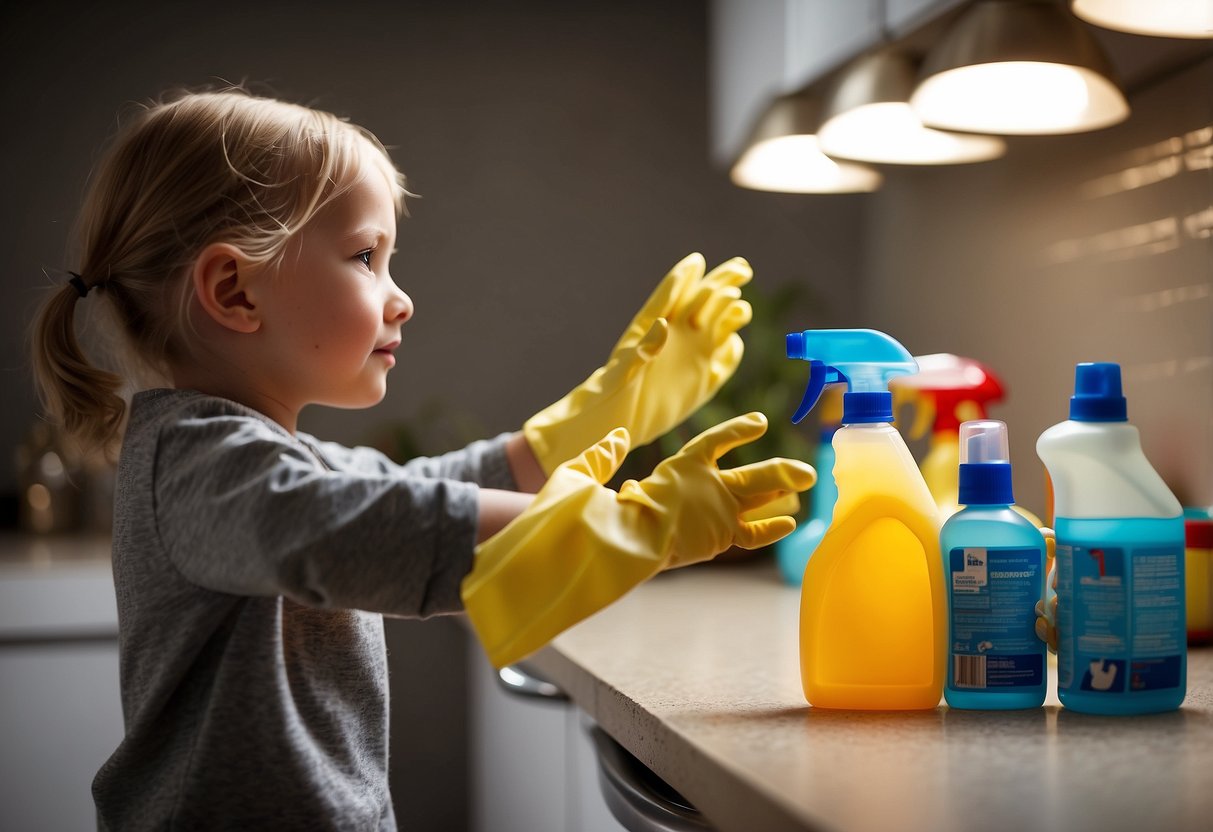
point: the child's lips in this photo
(386, 351)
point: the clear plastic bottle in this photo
(872, 612)
(994, 560)
(1120, 558)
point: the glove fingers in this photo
(717, 441)
(775, 475)
(710, 303)
(761, 533)
(770, 504)
(683, 278)
(664, 300)
(730, 315)
(733, 272)
(602, 459)
(654, 340)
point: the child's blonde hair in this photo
(198, 168)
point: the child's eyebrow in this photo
(373, 231)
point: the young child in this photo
(241, 247)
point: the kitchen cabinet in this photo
(903, 16)
(533, 764)
(762, 48)
(696, 673)
(60, 711)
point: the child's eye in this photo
(365, 257)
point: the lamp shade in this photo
(1018, 67)
(1166, 18)
(868, 118)
(782, 154)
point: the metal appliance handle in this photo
(638, 798)
(521, 680)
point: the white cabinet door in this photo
(60, 719)
(533, 766)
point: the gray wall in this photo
(1090, 247)
(560, 151)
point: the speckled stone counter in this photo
(697, 674)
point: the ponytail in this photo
(81, 397)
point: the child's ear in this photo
(224, 285)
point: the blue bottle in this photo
(994, 560)
(792, 553)
(1122, 645)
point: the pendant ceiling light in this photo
(1018, 67)
(1166, 18)
(868, 118)
(782, 154)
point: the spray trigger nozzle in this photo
(819, 376)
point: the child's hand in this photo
(580, 545)
(677, 352)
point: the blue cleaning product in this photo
(792, 553)
(1120, 558)
(994, 560)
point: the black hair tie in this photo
(78, 282)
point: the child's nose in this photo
(399, 306)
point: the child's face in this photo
(335, 313)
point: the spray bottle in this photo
(995, 562)
(872, 613)
(793, 552)
(1120, 558)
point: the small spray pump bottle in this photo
(872, 612)
(995, 563)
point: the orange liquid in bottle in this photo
(873, 617)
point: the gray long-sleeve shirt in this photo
(251, 569)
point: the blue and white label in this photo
(1120, 617)
(992, 599)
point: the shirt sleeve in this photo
(246, 510)
(483, 462)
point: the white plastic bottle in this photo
(1120, 558)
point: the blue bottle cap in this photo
(866, 408)
(1097, 393)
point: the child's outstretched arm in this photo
(581, 545)
(680, 348)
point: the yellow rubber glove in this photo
(677, 352)
(581, 546)
(1046, 608)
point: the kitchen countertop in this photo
(56, 587)
(697, 674)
